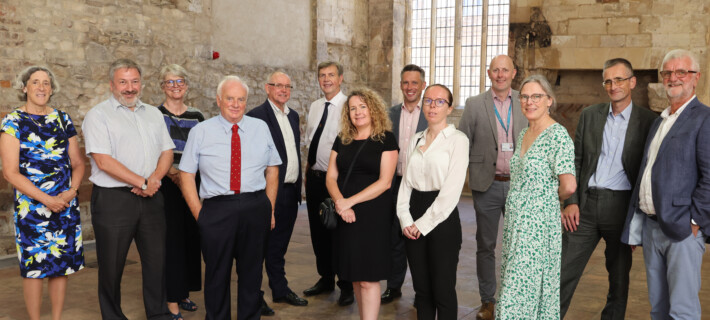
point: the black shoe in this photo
(292, 299)
(265, 309)
(346, 298)
(389, 295)
(319, 287)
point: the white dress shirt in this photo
(441, 167)
(407, 128)
(330, 130)
(289, 141)
(645, 190)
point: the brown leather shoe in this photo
(487, 311)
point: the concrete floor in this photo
(82, 302)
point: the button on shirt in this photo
(208, 149)
(134, 138)
(289, 141)
(330, 130)
(610, 172)
(407, 128)
(503, 158)
(645, 190)
(441, 167)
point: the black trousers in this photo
(277, 240)
(232, 228)
(321, 238)
(120, 217)
(399, 252)
(603, 216)
(433, 260)
(183, 260)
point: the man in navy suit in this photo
(407, 119)
(669, 213)
(284, 127)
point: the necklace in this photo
(29, 115)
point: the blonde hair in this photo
(378, 115)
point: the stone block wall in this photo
(78, 39)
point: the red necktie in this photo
(235, 180)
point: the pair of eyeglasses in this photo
(679, 73)
(281, 86)
(439, 103)
(616, 81)
(535, 98)
(174, 83)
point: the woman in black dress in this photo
(362, 239)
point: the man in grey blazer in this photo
(669, 213)
(492, 121)
(608, 146)
(407, 119)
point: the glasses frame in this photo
(281, 86)
(535, 98)
(439, 103)
(174, 83)
(679, 73)
(615, 81)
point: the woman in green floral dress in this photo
(542, 174)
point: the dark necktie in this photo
(313, 149)
(235, 176)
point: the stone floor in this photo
(82, 302)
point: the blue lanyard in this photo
(500, 120)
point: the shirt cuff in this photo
(424, 226)
(405, 220)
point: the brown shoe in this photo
(487, 311)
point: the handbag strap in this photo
(350, 169)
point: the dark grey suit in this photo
(602, 211)
(399, 254)
(478, 122)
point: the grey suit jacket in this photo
(588, 140)
(478, 122)
(395, 112)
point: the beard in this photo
(130, 104)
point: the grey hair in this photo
(123, 63)
(326, 64)
(542, 81)
(21, 81)
(176, 70)
(271, 76)
(231, 78)
(681, 53)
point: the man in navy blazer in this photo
(669, 212)
(284, 127)
(407, 119)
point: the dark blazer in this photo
(680, 178)
(395, 112)
(478, 122)
(588, 145)
(266, 113)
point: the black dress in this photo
(362, 248)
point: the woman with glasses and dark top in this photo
(542, 174)
(41, 159)
(183, 268)
(364, 203)
(426, 207)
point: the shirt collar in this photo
(336, 98)
(115, 104)
(667, 112)
(419, 107)
(227, 126)
(446, 132)
(276, 109)
(624, 114)
(509, 95)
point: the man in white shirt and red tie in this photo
(323, 125)
(239, 198)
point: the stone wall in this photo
(78, 39)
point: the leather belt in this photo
(501, 178)
(652, 217)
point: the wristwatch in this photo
(145, 185)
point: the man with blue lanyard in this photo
(492, 121)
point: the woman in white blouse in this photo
(426, 207)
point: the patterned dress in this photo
(532, 228)
(48, 244)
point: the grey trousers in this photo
(603, 216)
(489, 206)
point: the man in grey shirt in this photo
(130, 151)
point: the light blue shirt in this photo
(610, 172)
(209, 149)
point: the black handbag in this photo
(328, 215)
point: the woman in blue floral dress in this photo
(41, 159)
